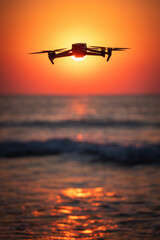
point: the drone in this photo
(80, 50)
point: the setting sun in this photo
(78, 58)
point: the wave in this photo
(80, 123)
(114, 153)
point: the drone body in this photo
(80, 50)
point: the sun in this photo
(78, 58)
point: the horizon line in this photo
(80, 94)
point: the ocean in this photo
(80, 167)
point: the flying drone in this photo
(80, 50)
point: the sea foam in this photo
(110, 152)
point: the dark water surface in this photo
(100, 119)
(80, 167)
(57, 197)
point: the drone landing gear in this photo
(51, 61)
(103, 52)
(51, 56)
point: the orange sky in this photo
(35, 25)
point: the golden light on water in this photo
(85, 220)
(76, 204)
(83, 193)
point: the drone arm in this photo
(64, 54)
(94, 54)
(93, 50)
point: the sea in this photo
(80, 167)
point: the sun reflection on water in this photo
(79, 109)
(78, 214)
(82, 192)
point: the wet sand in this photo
(60, 197)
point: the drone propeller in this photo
(40, 52)
(60, 49)
(109, 48)
(49, 51)
(118, 49)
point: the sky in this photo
(35, 25)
